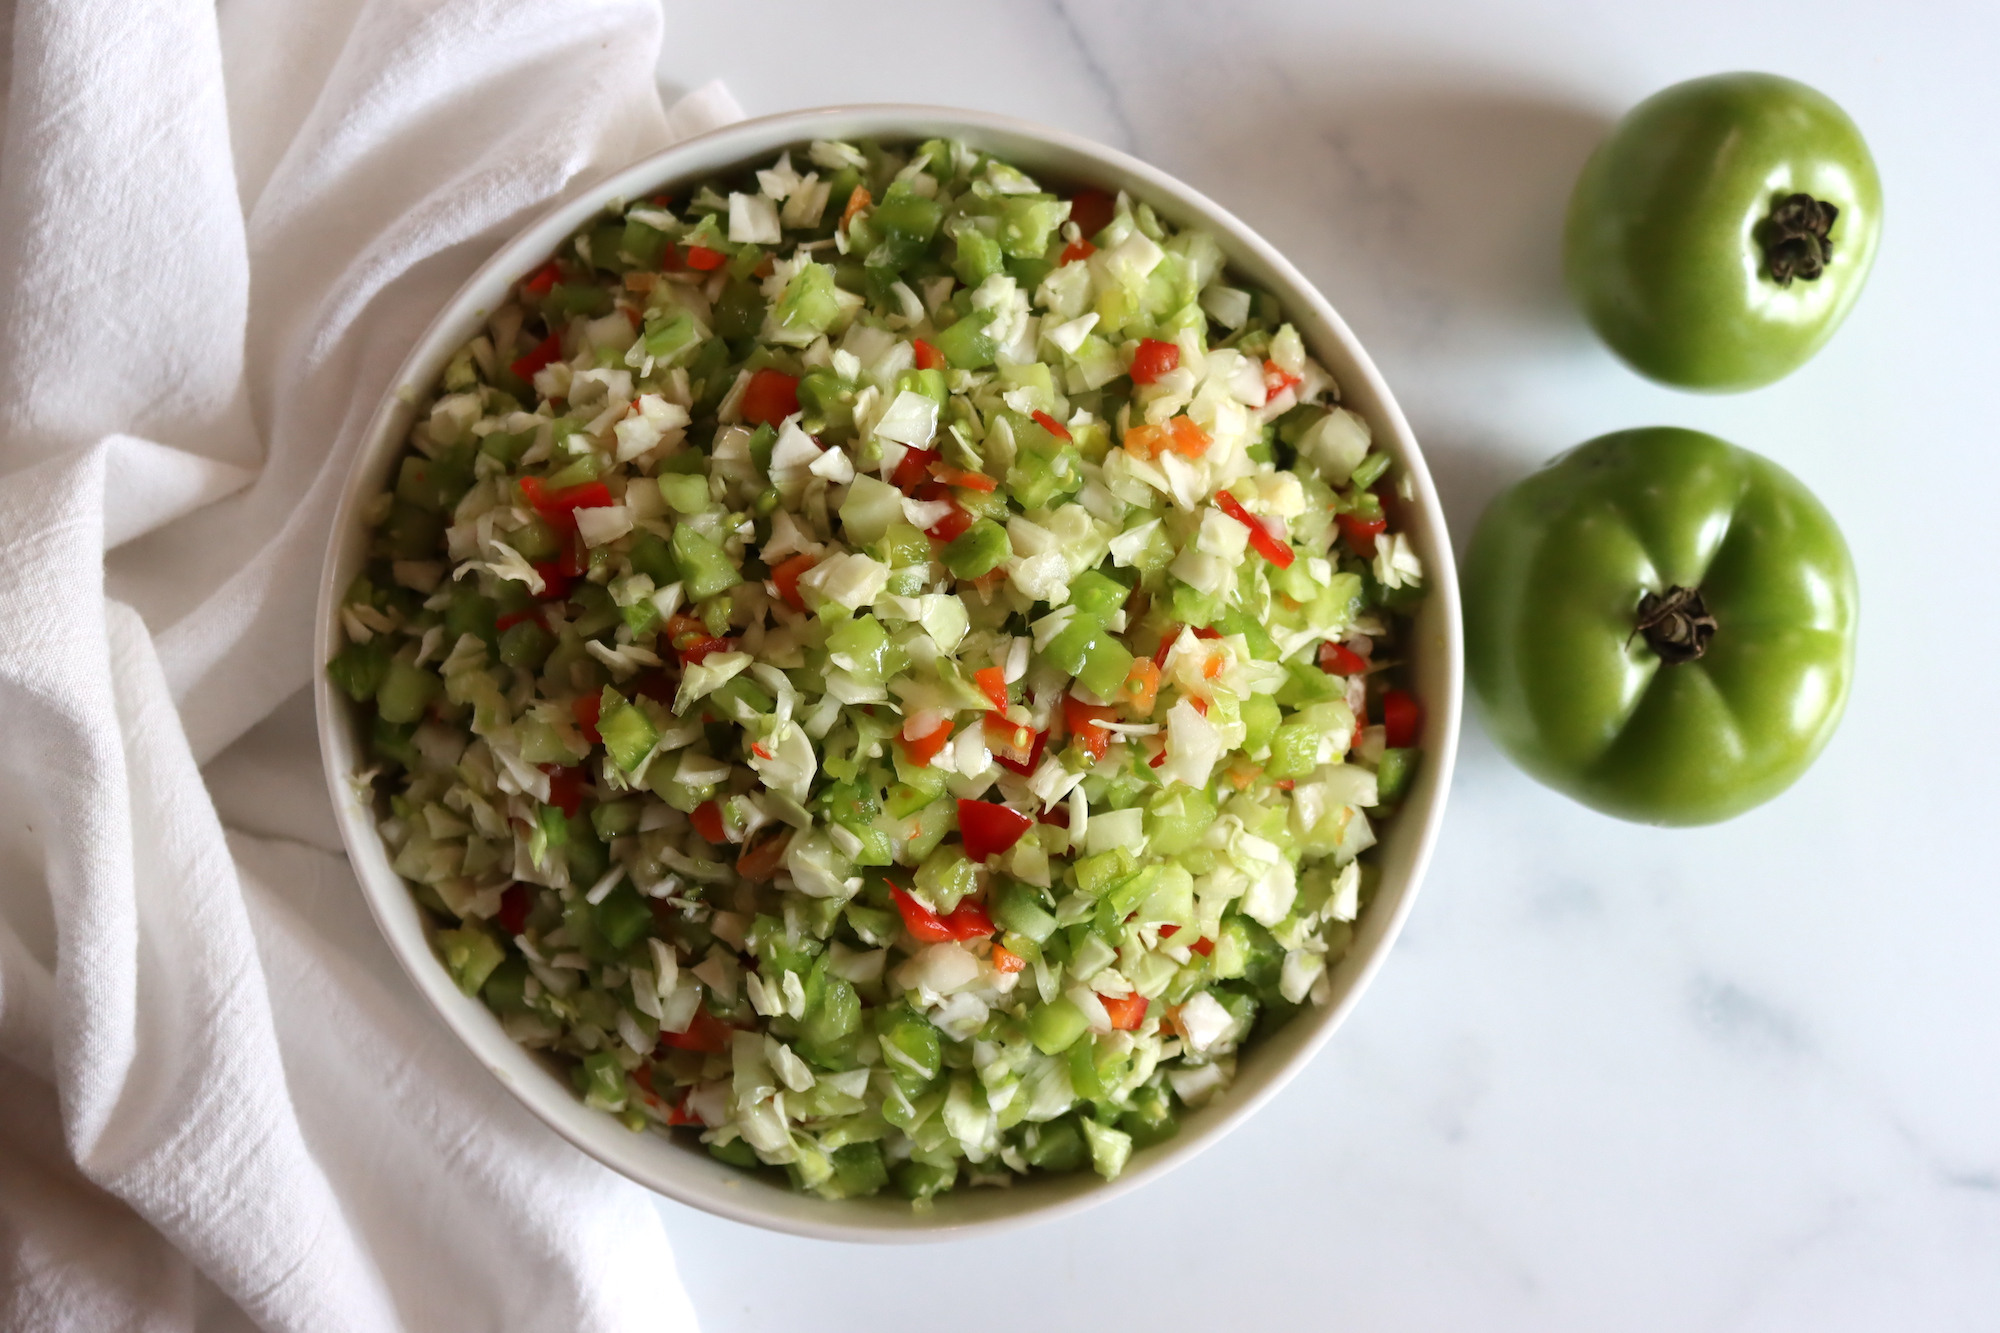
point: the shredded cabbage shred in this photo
(786, 544)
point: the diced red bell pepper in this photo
(992, 682)
(770, 397)
(1337, 659)
(971, 481)
(585, 708)
(1076, 250)
(1052, 426)
(706, 1033)
(543, 353)
(1057, 815)
(1276, 380)
(1126, 1012)
(913, 469)
(559, 507)
(707, 821)
(1154, 359)
(1362, 532)
(989, 829)
(1092, 211)
(1035, 748)
(515, 904)
(948, 528)
(555, 580)
(1402, 719)
(1187, 439)
(680, 1114)
(1085, 723)
(762, 859)
(543, 281)
(928, 357)
(565, 789)
(969, 921)
(502, 624)
(1006, 962)
(923, 924)
(1172, 633)
(925, 747)
(1204, 947)
(1277, 552)
(785, 575)
(704, 260)
(697, 652)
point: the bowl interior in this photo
(679, 1168)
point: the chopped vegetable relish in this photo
(888, 668)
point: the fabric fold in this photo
(221, 1103)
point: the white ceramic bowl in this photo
(679, 1168)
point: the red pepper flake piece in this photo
(1052, 426)
(502, 624)
(1204, 947)
(1277, 380)
(1006, 962)
(1277, 552)
(969, 921)
(697, 652)
(1077, 250)
(928, 357)
(704, 260)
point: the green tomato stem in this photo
(1676, 624)
(1797, 238)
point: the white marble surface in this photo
(1612, 1077)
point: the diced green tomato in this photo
(1393, 774)
(929, 383)
(684, 494)
(1027, 221)
(921, 1180)
(388, 741)
(1095, 593)
(411, 533)
(469, 613)
(1294, 751)
(646, 245)
(507, 448)
(1057, 1146)
(471, 954)
(966, 345)
(587, 299)
(929, 826)
(978, 258)
(526, 645)
(1151, 1119)
(360, 668)
(1105, 667)
(1055, 1026)
(977, 551)
(739, 313)
(1070, 648)
(836, 1011)
(735, 1153)
(624, 915)
(946, 877)
(858, 1171)
(1018, 908)
(406, 691)
(910, 1044)
(1260, 716)
(615, 818)
(602, 1078)
(705, 567)
(1110, 1148)
(629, 735)
(808, 306)
(506, 990)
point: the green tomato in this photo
(1720, 235)
(1660, 625)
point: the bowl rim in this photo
(695, 1181)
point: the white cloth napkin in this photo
(221, 1105)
